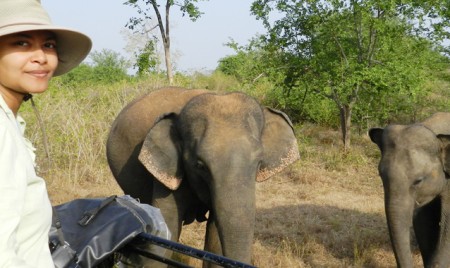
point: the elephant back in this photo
(439, 123)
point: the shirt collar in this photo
(19, 121)
(4, 106)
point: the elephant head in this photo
(219, 146)
(414, 168)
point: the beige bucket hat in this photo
(28, 15)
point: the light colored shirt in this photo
(25, 209)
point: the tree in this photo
(247, 65)
(144, 47)
(139, 23)
(343, 50)
(107, 67)
(147, 59)
(109, 59)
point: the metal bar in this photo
(156, 257)
(193, 252)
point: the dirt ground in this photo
(326, 210)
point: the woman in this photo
(32, 50)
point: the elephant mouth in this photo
(418, 204)
(423, 201)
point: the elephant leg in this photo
(135, 180)
(441, 257)
(173, 206)
(426, 228)
(178, 207)
(212, 240)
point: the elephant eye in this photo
(200, 165)
(418, 181)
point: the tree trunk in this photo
(165, 37)
(345, 112)
(167, 44)
(168, 64)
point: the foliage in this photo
(261, 74)
(216, 81)
(187, 7)
(354, 52)
(251, 63)
(245, 65)
(256, 71)
(147, 59)
(107, 67)
(140, 24)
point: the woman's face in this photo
(27, 62)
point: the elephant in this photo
(197, 155)
(414, 168)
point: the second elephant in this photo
(415, 168)
(190, 152)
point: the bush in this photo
(108, 67)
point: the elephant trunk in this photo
(399, 214)
(235, 218)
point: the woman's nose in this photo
(39, 56)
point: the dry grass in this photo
(326, 210)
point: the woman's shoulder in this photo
(5, 113)
(5, 119)
(8, 126)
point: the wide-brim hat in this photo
(28, 15)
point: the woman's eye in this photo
(50, 45)
(21, 43)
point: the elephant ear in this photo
(279, 143)
(376, 135)
(445, 139)
(439, 123)
(160, 152)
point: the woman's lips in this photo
(39, 73)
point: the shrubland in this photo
(326, 210)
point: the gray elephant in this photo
(190, 152)
(414, 168)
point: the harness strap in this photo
(41, 124)
(58, 227)
(89, 215)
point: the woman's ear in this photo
(160, 152)
(279, 143)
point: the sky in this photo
(195, 46)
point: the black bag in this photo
(85, 232)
